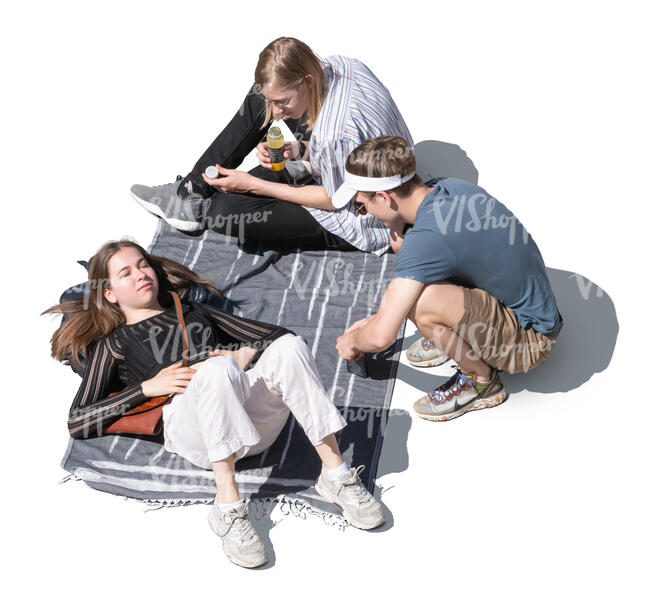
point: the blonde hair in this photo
(384, 156)
(88, 318)
(289, 61)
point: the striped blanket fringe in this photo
(260, 507)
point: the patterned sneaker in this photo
(241, 543)
(424, 354)
(459, 395)
(163, 201)
(360, 508)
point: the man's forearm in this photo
(308, 195)
(370, 338)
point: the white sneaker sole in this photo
(489, 402)
(182, 225)
(231, 557)
(330, 497)
(430, 363)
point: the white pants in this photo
(225, 410)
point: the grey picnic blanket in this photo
(316, 294)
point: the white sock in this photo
(226, 507)
(336, 474)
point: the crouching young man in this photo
(468, 275)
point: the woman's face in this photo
(287, 103)
(132, 281)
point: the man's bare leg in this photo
(438, 309)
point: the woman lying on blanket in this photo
(223, 409)
(332, 105)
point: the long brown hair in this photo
(290, 60)
(90, 317)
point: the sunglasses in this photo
(359, 208)
(278, 103)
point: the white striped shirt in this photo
(357, 107)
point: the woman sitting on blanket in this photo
(223, 409)
(332, 105)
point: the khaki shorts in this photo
(496, 336)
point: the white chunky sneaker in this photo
(424, 354)
(360, 508)
(241, 543)
(461, 394)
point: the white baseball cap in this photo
(353, 183)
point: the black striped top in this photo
(131, 354)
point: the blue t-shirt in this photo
(464, 235)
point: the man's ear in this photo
(110, 296)
(387, 197)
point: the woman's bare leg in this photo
(224, 476)
(329, 452)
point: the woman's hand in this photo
(170, 380)
(291, 152)
(243, 356)
(232, 181)
(263, 155)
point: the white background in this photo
(546, 494)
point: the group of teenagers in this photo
(467, 274)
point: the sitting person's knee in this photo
(221, 366)
(290, 342)
(217, 381)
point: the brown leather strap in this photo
(181, 320)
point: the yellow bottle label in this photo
(275, 144)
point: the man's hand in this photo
(396, 234)
(243, 356)
(345, 349)
(357, 325)
(344, 342)
(170, 380)
(379, 331)
(232, 181)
